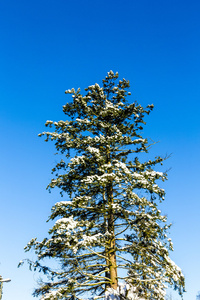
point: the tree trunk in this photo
(112, 254)
(110, 251)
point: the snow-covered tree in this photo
(109, 237)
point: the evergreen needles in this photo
(109, 228)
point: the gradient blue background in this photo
(50, 46)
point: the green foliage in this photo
(109, 221)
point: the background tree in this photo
(198, 296)
(109, 228)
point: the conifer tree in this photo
(109, 237)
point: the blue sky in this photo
(50, 46)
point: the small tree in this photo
(109, 228)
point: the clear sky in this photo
(50, 46)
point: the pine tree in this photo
(109, 236)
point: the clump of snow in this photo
(124, 290)
(69, 223)
(53, 295)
